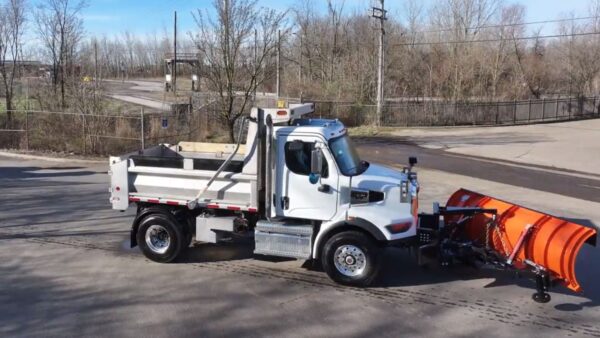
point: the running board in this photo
(283, 239)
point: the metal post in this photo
(594, 109)
(543, 109)
(569, 107)
(27, 93)
(380, 14)
(278, 63)
(174, 67)
(189, 114)
(26, 130)
(515, 112)
(455, 112)
(142, 137)
(95, 68)
(254, 65)
(529, 112)
(497, 111)
(300, 63)
(556, 108)
(84, 137)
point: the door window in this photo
(297, 158)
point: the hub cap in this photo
(158, 239)
(350, 260)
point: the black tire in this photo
(159, 227)
(188, 240)
(351, 244)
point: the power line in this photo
(508, 25)
(458, 42)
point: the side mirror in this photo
(316, 161)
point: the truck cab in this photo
(320, 177)
(298, 186)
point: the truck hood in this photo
(378, 178)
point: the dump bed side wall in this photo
(184, 184)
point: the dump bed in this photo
(178, 174)
(175, 175)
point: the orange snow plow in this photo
(473, 226)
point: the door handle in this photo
(325, 188)
(285, 202)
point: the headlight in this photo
(404, 192)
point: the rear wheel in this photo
(351, 258)
(160, 239)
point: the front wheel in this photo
(159, 238)
(351, 258)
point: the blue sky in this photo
(109, 17)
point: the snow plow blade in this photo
(523, 236)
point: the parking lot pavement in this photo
(566, 145)
(66, 270)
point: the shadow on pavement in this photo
(34, 172)
(239, 249)
(400, 269)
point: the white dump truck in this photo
(300, 189)
(297, 183)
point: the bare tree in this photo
(463, 20)
(234, 66)
(497, 57)
(581, 53)
(60, 29)
(12, 23)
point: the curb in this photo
(47, 158)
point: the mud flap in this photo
(551, 243)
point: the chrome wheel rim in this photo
(350, 260)
(158, 239)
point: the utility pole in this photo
(255, 64)
(95, 69)
(380, 14)
(300, 63)
(278, 63)
(95, 61)
(175, 56)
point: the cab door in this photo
(295, 195)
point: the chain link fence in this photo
(68, 132)
(133, 130)
(111, 134)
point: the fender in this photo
(357, 222)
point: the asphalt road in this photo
(565, 182)
(66, 270)
(151, 94)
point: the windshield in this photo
(346, 156)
